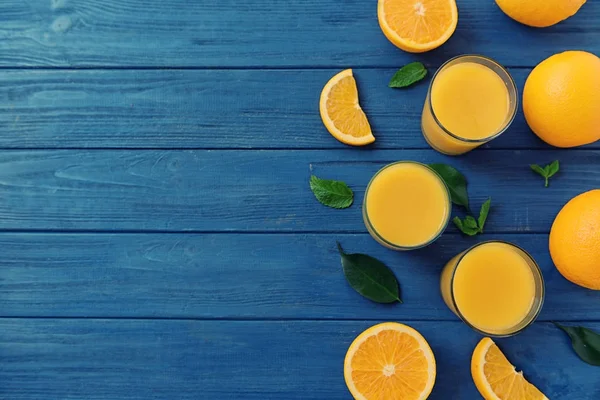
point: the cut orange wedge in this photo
(417, 26)
(390, 361)
(341, 113)
(496, 378)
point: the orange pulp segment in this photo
(417, 26)
(341, 113)
(390, 361)
(496, 378)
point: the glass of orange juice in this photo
(406, 206)
(471, 100)
(494, 287)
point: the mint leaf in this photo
(335, 194)
(553, 168)
(370, 277)
(407, 75)
(470, 226)
(458, 222)
(456, 183)
(483, 214)
(547, 172)
(466, 226)
(470, 222)
(457, 186)
(538, 169)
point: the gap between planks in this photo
(221, 232)
(271, 319)
(333, 148)
(215, 68)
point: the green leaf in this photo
(586, 343)
(370, 277)
(335, 194)
(538, 169)
(458, 222)
(470, 222)
(483, 214)
(407, 75)
(456, 182)
(553, 168)
(547, 172)
(462, 225)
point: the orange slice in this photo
(417, 26)
(342, 114)
(390, 361)
(496, 378)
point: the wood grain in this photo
(259, 33)
(149, 359)
(228, 276)
(159, 237)
(260, 191)
(212, 109)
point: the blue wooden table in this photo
(159, 239)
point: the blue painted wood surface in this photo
(159, 238)
(166, 359)
(210, 109)
(259, 191)
(259, 33)
(241, 276)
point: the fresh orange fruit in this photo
(417, 26)
(575, 240)
(540, 13)
(342, 114)
(496, 378)
(561, 100)
(390, 361)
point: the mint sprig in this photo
(457, 186)
(546, 172)
(408, 75)
(334, 194)
(469, 225)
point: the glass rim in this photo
(535, 269)
(508, 122)
(437, 235)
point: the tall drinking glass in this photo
(494, 287)
(471, 100)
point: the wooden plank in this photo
(258, 190)
(211, 109)
(149, 359)
(259, 33)
(239, 276)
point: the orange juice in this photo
(471, 100)
(495, 287)
(406, 206)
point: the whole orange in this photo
(540, 13)
(575, 240)
(561, 99)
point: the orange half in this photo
(496, 378)
(342, 115)
(417, 26)
(390, 361)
